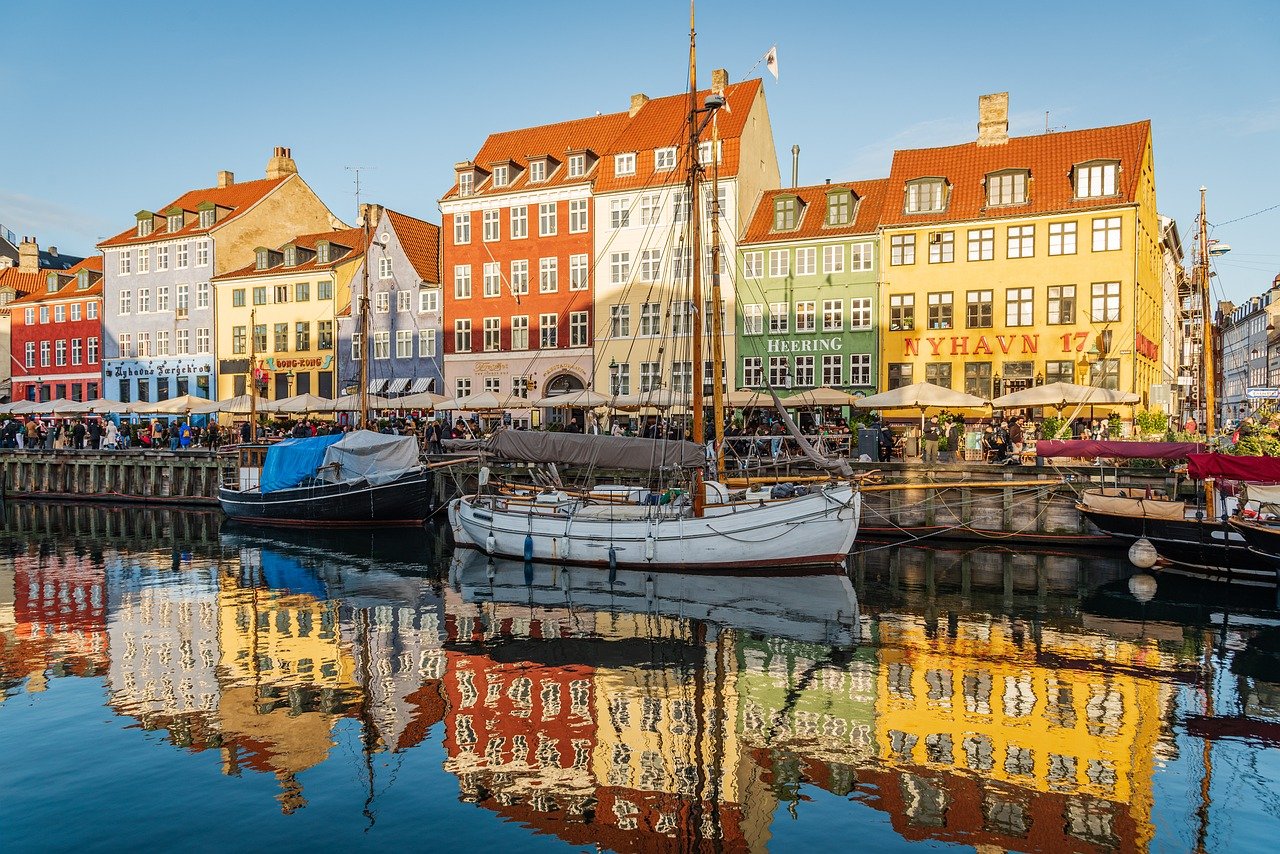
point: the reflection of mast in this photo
(369, 737)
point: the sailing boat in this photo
(680, 520)
(356, 478)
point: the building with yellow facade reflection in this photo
(1015, 261)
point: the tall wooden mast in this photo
(717, 333)
(253, 375)
(695, 234)
(364, 325)
(1206, 346)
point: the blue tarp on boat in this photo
(293, 460)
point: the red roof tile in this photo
(1049, 157)
(23, 283)
(351, 237)
(871, 196)
(237, 197)
(421, 242)
(70, 288)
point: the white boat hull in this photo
(818, 528)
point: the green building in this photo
(806, 296)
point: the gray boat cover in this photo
(365, 455)
(589, 449)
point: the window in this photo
(752, 372)
(162, 343)
(382, 345)
(900, 374)
(182, 256)
(404, 300)
(806, 261)
(806, 316)
(1007, 188)
(753, 319)
(578, 273)
(462, 386)
(548, 275)
(1022, 241)
(577, 165)
(162, 257)
(184, 299)
(926, 195)
(91, 311)
(461, 228)
(942, 247)
(579, 325)
(44, 354)
(548, 222)
(260, 295)
(679, 206)
(577, 216)
(977, 379)
(520, 332)
(520, 277)
(860, 369)
(75, 311)
(60, 348)
(462, 281)
(548, 331)
(492, 334)
(833, 259)
(1018, 304)
(860, 257)
(1106, 302)
(144, 260)
(779, 317)
(1096, 179)
(466, 183)
(982, 244)
(501, 175)
(650, 209)
(902, 249)
(144, 226)
(833, 315)
(779, 263)
(804, 372)
(784, 213)
(280, 334)
(839, 206)
(902, 312)
(624, 164)
(620, 267)
(492, 279)
(259, 337)
(202, 253)
(619, 213)
(519, 222)
(650, 376)
(537, 171)
(682, 377)
(859, 313)
(651, 320)
(162, 298)
(281, 294)
(779, 372)
(239, 340)
(832, 370)
(59, 314)
(620, 379)
(1060, 372)
(92, 351)
(324, 334)
(1062, 238)
(382, 302)
(44, 314)
(202, 295)
(979, 310)
(938, 373)
(1062, 304)
(203, 340)
(492, 226)
(619, 321)
(384, 267)
(302, 336)
(941, 311)
(462, 335)
(426, 343)
(650, 268)
(1106, 234)
(144, 300)
(1105, 373)
(30, 354)
(753, 264)
(428, 300)
(126, 345)
(144, 345)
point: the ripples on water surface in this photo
(170, 684)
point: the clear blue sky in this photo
(114, 107)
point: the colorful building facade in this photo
(807, 288)
(1012, 261)
(56, 335)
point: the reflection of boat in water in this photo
(821, 607)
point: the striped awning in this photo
(376, 386)
(398, 385)
(420, 385)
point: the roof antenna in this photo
(1048, 129)
(357, 170)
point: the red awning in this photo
(1249, 469)
(1123, 450)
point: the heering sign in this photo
(806, 345)
(120, 369)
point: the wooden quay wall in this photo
(161, 477)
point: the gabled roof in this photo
(237, 198)
(352, 237)
(22, 283)
(812, 225)
(70, 289)
(1049, 157)
(421, 242)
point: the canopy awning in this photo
(397, 385)
(821, 396)
(583, 399)
(1226, 466)
(420, 385)
(376, 386)
(616, 452)
(418, 400)
(485, 401)
(1120, 450)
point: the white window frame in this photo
(548, 219)
(779, 263)
(1062, 238)
(548, 275)
(833, 258)
(519, 222)
(579, 216)
(579, 273)
(806, 260)
(624, 164)
(753, 319)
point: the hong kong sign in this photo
(304, 363)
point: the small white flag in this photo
(771, 62)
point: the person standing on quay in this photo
(932, 433)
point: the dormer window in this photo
(664, 159)
(51, 282)
(466, 183)
(82, 280)
(926, 195)
(175, 223)
(785, 212)
(263, 261)
(144, 224)
(322, 252)
(1008, 187)
(624, 164)
(291, 256)
(537, 171)
(1096, 178)
(501, 175)
(207, 218)
(577, 165)
(704, 153)
(839, 208)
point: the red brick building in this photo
(57, 336)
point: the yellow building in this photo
(288, 300)
(1017, 261)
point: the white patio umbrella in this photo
(351, 402)
(922, 396)
(484, 401)
(660, 398)
(107, 406)
(821, 396)
(745, 397)
(418, 400)
(173, 406)
(238, 405)
(1059, 395)
(301, 403)
(24, 407)
(583, 399)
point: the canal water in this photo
(170, 682)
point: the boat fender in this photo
(613, 558)
(650, 588)
(491, 544)
(491, 570)
(650, 547)
(528, 546)
(483, 479)
(528, 573)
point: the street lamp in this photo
(613, 376)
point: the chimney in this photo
(29, 255)
(638, 100)
(226, 179)
(795, 166)
(993, 119)
(719, 80)
(53, 251)
(281, 163)
(370, 214)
